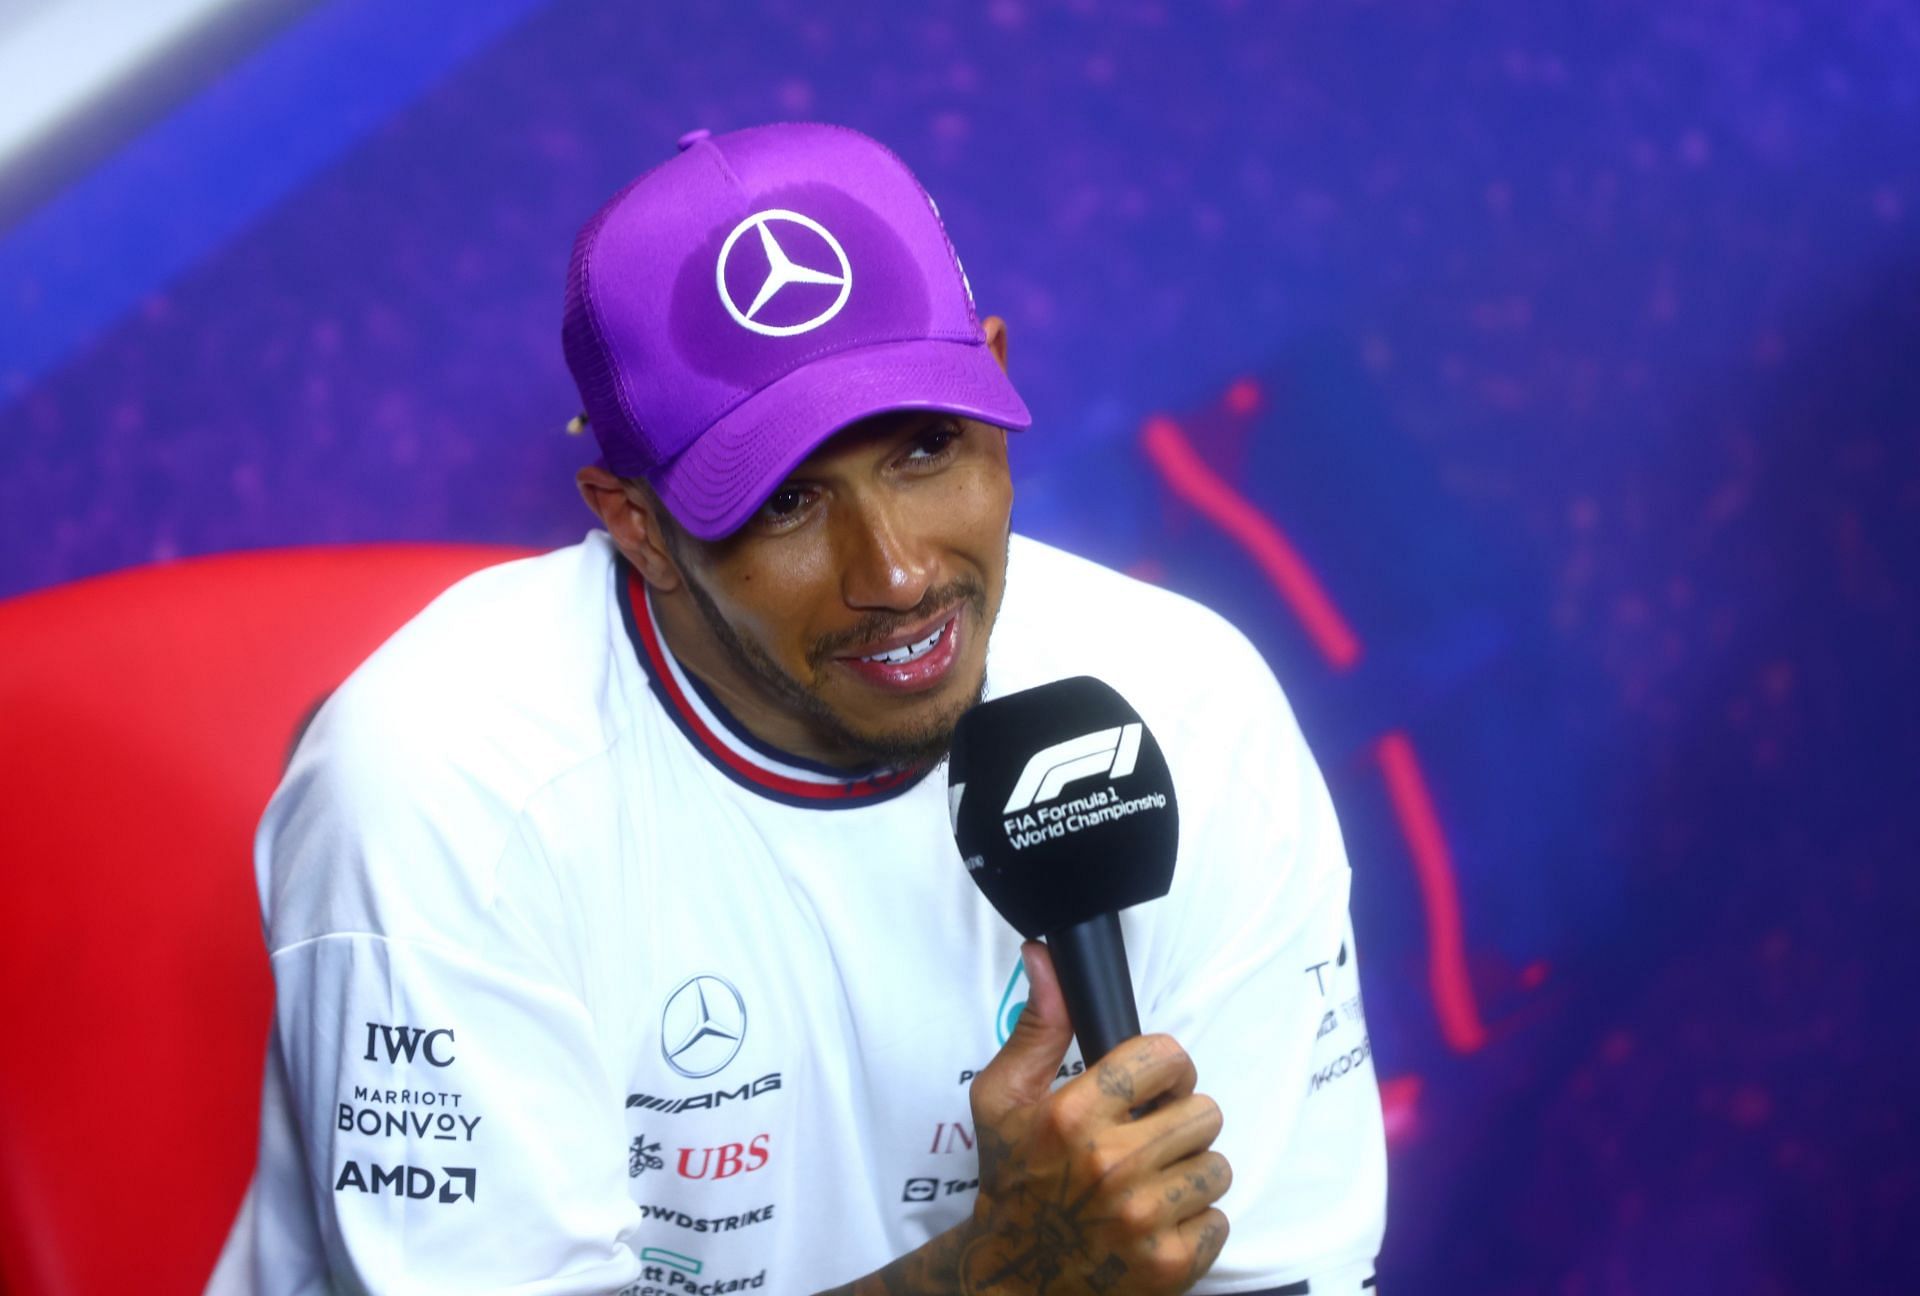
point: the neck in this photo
(755, 703)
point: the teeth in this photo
(900, 656)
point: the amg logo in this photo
(1110, 751)
(404, 1041)
(407, 1181)
(752, 1089)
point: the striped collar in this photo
(746, 759)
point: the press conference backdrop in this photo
(1535, 384)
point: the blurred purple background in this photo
(1573, 352)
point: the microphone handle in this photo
(1091, 959)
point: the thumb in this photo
(1023, 1071)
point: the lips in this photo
(912, 661)
(906, 638)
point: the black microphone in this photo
(1064, 813)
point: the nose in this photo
(885, 563)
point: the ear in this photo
(996, 331)
(635, 520)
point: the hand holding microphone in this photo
(1064, 813)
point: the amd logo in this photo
(457, 1182)
(399, 1042)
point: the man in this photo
(620, 939)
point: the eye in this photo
(785, 506)
(935, 443)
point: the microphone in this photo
(1064, 812)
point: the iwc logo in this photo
(702, 1026)
(803, 237)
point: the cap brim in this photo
(718, 482)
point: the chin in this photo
(923, 739)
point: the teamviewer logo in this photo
(1110, 751)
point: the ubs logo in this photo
(702, 1026)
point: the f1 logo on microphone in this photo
(1110, 751)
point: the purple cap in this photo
(749, 297)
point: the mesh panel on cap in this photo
(591, 360)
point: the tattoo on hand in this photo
(1030, 1251)
(995, 1151)
(1111, 1271)
(1206, 1249)
(1115, 1083)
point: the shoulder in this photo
(1204, 689)
(1068, 615)
(403, 796)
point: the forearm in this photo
(932, 1270)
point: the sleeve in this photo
(1259, 980)
(460, 1132)
(453, 1125)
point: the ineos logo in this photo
(1109, 751)
(782, 270)
(702, 1026)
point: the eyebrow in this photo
(899, 423)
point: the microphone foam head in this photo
(1062, 805)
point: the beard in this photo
(913, 746)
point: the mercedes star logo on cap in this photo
(782, 271)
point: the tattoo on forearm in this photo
(933, 1270)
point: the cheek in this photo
(777, 603)
(970, 508)
(982, 511)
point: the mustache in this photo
(883, 625)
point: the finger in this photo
(1138, 1073)
(1190, 1187)
(1023, 1071)
(1204, 1235)
(1166, 1138)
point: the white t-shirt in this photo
(582, 989)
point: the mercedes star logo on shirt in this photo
(702, 1026)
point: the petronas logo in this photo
(1013, 1002)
